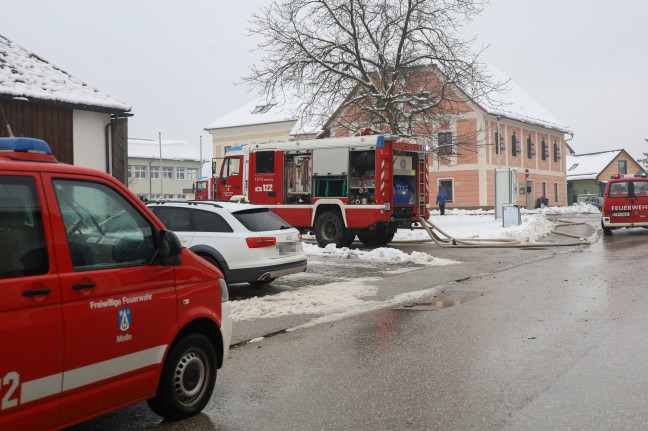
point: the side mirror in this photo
(170, 248)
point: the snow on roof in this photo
(24, 74)
(513, 103)
(259, 111)
(589, 166)
(516, 104)
(171, 149)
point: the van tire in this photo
(606, 230)
(187, 380)
(330, 229)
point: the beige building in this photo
(255, 122)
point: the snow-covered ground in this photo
(337, 300)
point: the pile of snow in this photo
(383, 254)
(325, 299)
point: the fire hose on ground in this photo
(442, 239)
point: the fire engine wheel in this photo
(347, 240)
(378, 239)
(187, 379)
(330, 229)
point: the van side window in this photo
(23, 251)
(103, 230)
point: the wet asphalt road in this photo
(544, 339)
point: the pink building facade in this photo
(464, 154)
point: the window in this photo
(544, 189)
(23, 252)
(167, 173)
(498, 140)
(556, 192)
(262, 109)
(619, 190)
(103, 230)
(574, 166)
(448, 185)
(529, 148)
(206, 221)
(544, 153)
(260, 220)
(137, 171)
(445, 143)
(623, 167)
(155, 172)
(231, 167)
(191, 173)
(180, 173)
(264, 162)
(176, 219)
(556, 153)
(514, 145)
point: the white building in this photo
(83, 125)
(162, 170)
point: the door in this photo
(119, 310)
(31, 324)
(230, 182)
(530, 195)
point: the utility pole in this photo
(160, 141)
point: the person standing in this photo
(441, 198)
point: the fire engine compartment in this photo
(351, 174)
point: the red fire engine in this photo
(204, 189)
(338, 188)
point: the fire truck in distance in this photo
(204, 190)
(337, 188)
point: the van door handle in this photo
(82, 286)
(34, 292)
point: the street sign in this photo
(526, 173)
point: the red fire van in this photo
(100, 306)
(625, 203)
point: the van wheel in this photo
(606, 230)
(187, 380)
(330, 229)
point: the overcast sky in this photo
(177, 63)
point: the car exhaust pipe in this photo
(265, 277)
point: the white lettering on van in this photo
(124, 337)
(118, 302)
(11, 381)
(629, 207)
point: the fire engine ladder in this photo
(422, 184)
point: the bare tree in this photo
(398, 65)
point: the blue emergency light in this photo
(25, 145)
